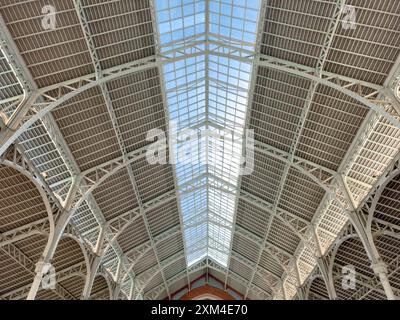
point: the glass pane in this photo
(206, 95)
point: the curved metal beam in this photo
(334, 81)
(155, 292)
(148, 246)
(112, 167)
(328, 79)
(109, 287)
(394, 172)
(19, 163)
(309, 284)
(350, 234)
(141, 284)
(323, 265)
(54, 97)
(103, 171)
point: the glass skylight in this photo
(206, 95)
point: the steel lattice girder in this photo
(281, 256)
(304, 113)
(170, 197)
(94, 176)
(375, 227)
(299, 228)
(78, 269)
(368, 284)
(55, 95)
(118, 224)
(29, 265)
(204, 264)
(15, 159)
(349, 83)
(144, 278)
(41, 226)
(134, 255)
(105, 93)
(31, 90)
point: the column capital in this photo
(42, 267)
(379, 267)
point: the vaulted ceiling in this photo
(84, 82)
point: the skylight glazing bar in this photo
(207, 98)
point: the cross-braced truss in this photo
(79, 94)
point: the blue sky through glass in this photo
(208, 94)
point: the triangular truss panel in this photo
(87, 88)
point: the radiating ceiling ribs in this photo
(305, 109)
(109, 105)
(362, 157)
(56, 135)
(338, 82)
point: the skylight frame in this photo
(218, 89)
